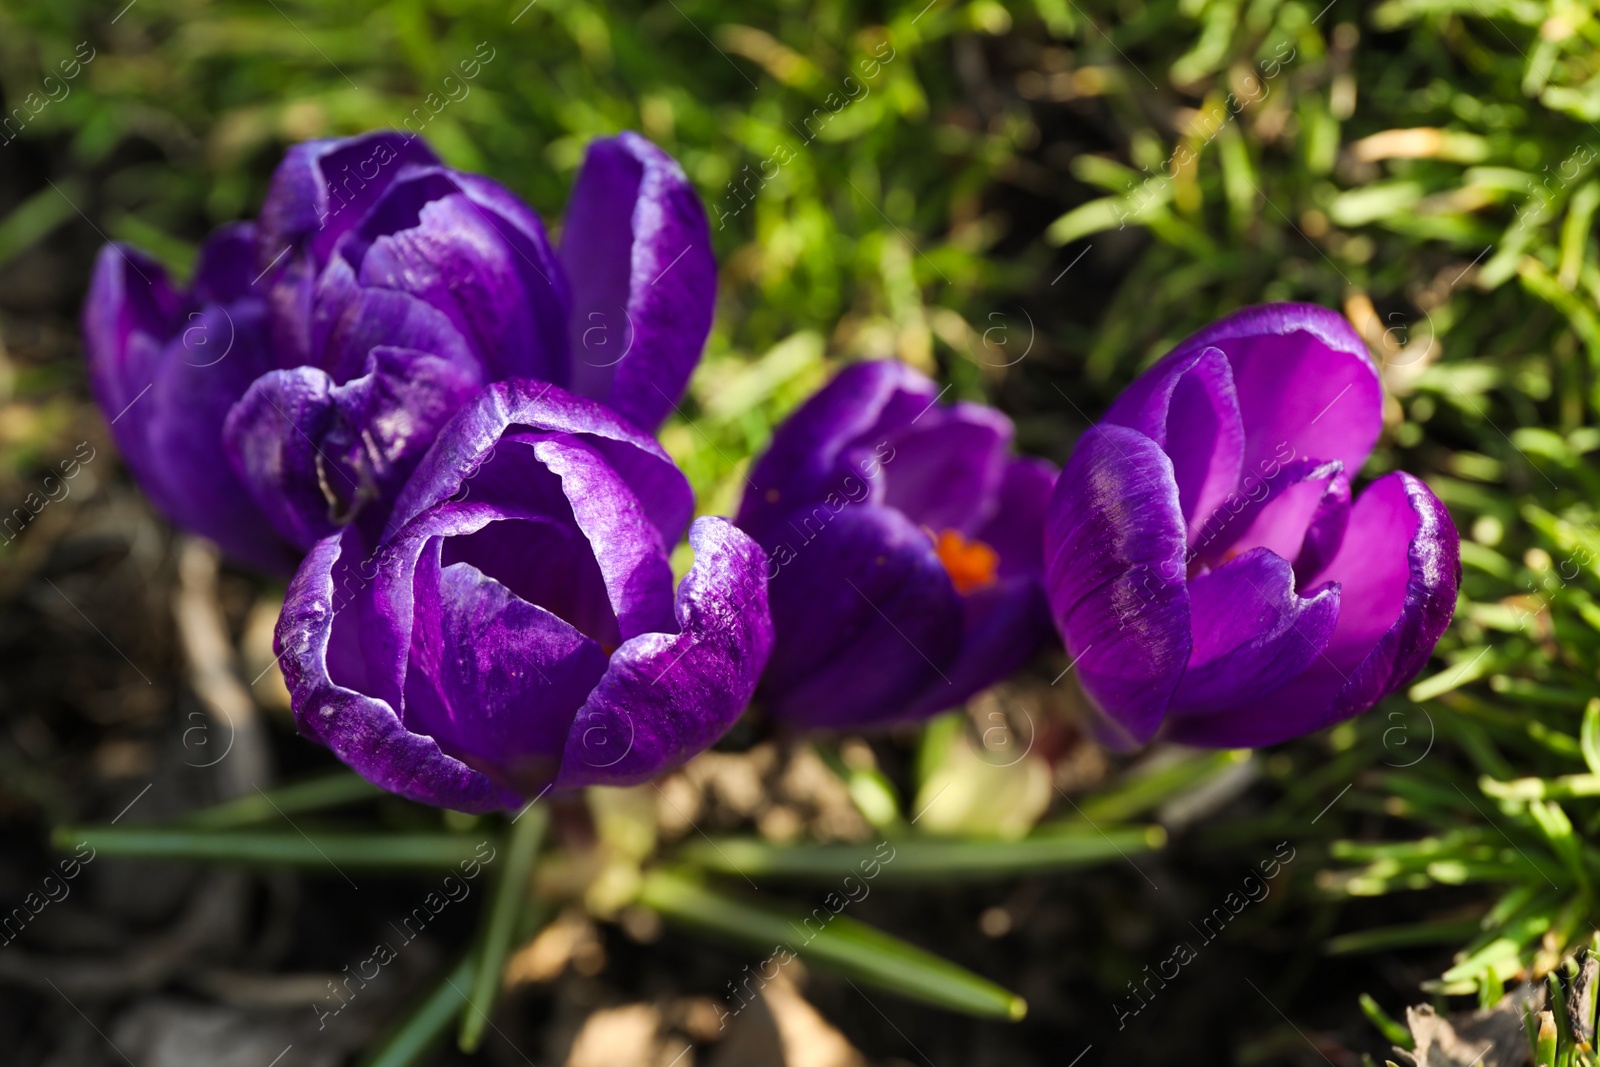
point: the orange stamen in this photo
(970, 564)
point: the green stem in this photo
(326, 791)
(316, 850)
(406, 1045)
(828, 939)
(505, 905)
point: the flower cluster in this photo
(394, 385)
(294, 387)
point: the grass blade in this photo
(316, 850)
(1386, 938)
(849, 947)
(500, 922)
(1150, 788)
(316, 794)
(418, 1034)
(1589, 738)
(1391, 1030)
(926, 859)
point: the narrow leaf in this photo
(316, 794)
(1147, 789)
(423, 1028)
(925, 859)
(505, 906)
(827, 939)
(1391, 1030)
(1590, 738)
(1559, 788)
(1385, 938)
(317, 850)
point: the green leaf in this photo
(1149, 788)
(425, 1025)
(1470, 665)
(318, 850)
(34, 218)
(1589, 740)
(925, 859)
(827, 939)
(500, 921)
(1562, 787)
(1391, 1030)
(1557, 829)
(1384, 938)
(1545, 1050)
(315, 794)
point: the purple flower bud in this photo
(516, 628)
(379, 292)
(905, 549)
(1207, 568)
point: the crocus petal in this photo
(1187, 405)
(226, 268)
(1325, 530)
(547, 562)
(372, 635)
(1003, 627)
(836, 442)
(131, 309)
(945, 472)
(363, 731)
(165, 379)
(1252, 632)
(320, 191)
(271, 437)
(1304, 522)
(538, 407)
(1399, 566)
(598, 503)
(494, 679)
(323, 188)
(1297, 509)
(1016, 530)
(189, 476)
(316, 455)
(1304, 380)
(1115, 557)
(470, 249)
(1399, 569)
(350, 320)
(637, 249)
(629, 549)
(867, 621)
(666, 696)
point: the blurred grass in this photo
(1428, 166)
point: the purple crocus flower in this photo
(379, 292)
(906, 551)
(516, 628)
(166, 366)
(1207, 568)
